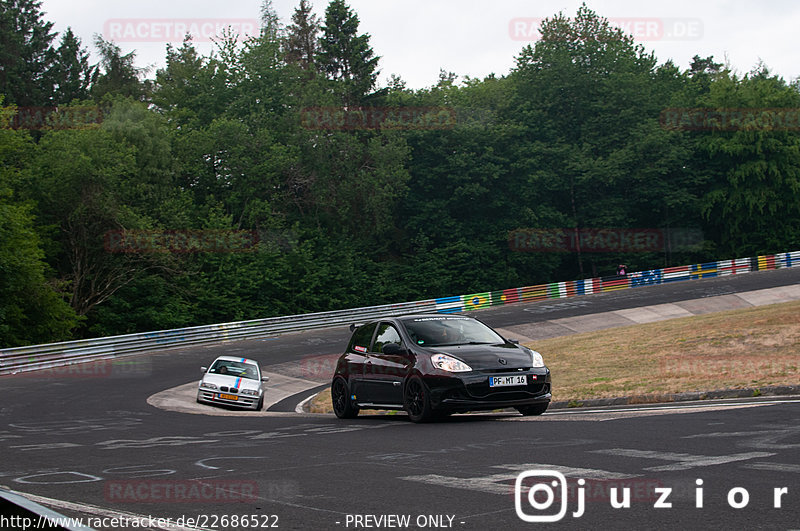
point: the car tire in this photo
(340, 399)
(417, 400)
(260, 403)
(536, 409)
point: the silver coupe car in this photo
(233, 382)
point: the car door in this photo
(384, 372)
(356, 357)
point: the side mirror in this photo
(513, 341)
(393, 349)
(265, 378)
(203, 369)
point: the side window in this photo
(386, 334)
(361, 338)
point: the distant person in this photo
(622, 270)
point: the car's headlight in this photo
(252, 392)
(536, 359)
(208, 385)
(449, 363)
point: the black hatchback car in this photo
(435, 364)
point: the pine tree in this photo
(71, 72)
(346, 56)
(120, 75)
(301, 45)
(270, 22)
(26, 53)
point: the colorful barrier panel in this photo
(449, 304)
(571, 288)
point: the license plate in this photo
(228, 397)
(504, 381)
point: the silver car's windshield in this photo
(235, 368)
(442, 331)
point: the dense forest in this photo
(277, 175)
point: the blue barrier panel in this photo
(449, 304)
(646, 278)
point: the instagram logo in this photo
(536, 487)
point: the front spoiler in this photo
(459, 404)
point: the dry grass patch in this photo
(753, 347)
(321, 403)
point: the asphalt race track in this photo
(87, 443)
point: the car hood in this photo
(482, 357)
(231, 381)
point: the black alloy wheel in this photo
(417, 400)
(340, 397)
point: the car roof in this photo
(411, 317)
(433, 316)
(236, 358)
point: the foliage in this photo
(416, 201)
(26, 53)
(31, 308)
(345, 56)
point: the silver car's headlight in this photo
(449, 363)
(208, 385)
(252, 392)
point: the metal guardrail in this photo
(20, 359)
(29, 358)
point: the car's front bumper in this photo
(209, 396)
(471, 391)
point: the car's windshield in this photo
(441, 331)
(235, 368)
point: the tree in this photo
(301, 44)
(752, 158)
(345, 56)
(705, 66)
(91, 183)
(71, 72)
(120, 76)
(590, 101)
(270, 22)
(32, 309)
(79, 175)
(191, 90)
(26, 53)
